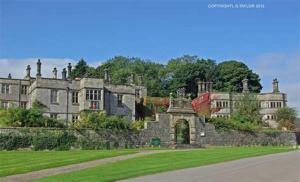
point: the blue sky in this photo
(267, 39)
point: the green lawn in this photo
(162, 162)
(14, 162)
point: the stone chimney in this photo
(69, 70)
(106, 76)
(204, 87)
(39, 68)
(275, 86)
(9, 76)
(28, 69)
(245, 85)
(54, 73)
(64, 74)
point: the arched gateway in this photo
(182, 120)
(179, 127)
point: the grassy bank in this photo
(163, 162)
(15, 162)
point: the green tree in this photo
(80, 70)
(231, 74)
(184, 71)
(286, 117)
(247, 110)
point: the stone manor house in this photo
(65, 98)
(227, 101)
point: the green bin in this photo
(155, 142)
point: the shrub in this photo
(19, 117)
(53, 141)
(12, 141)
(137, 125)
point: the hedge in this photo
(54, 140)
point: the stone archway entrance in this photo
(182, 120)
(182, 132)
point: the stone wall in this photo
(123, 138)
(239, 138)
(206, 135)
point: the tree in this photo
(80, 70)
(247, 110)
(231, 74)
(184, 71)
(286, 118)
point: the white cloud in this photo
(17, 67)
(286, 68)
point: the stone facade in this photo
(65, 98)
(227, 101)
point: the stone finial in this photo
(181, 92)
(39, 68)
(9, 76)
(54, 73)
(69, 70)
(28, 69)
(245, 85)
(64, 74)
(275, 86)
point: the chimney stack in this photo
(245, 85)
(106, 77)
(54, 73)
(64, 74)
(204, 87)
(38, 72)
(28, 72)
(275, 86)
(69, 70)
(9, 76)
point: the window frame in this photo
(4, 104)
(5, 88)
(24, 89)
(93, 94)
(52, 100)
(120, 100)
(75, 96)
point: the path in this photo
(282, 167)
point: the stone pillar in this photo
(54, 73)
(131, 78)
(39, 68)
(106, 75)
(275, 86)
(140, 80)
(69, 70)
(64, 74)
(245, 85)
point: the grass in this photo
(156, 163)
(15, 162)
